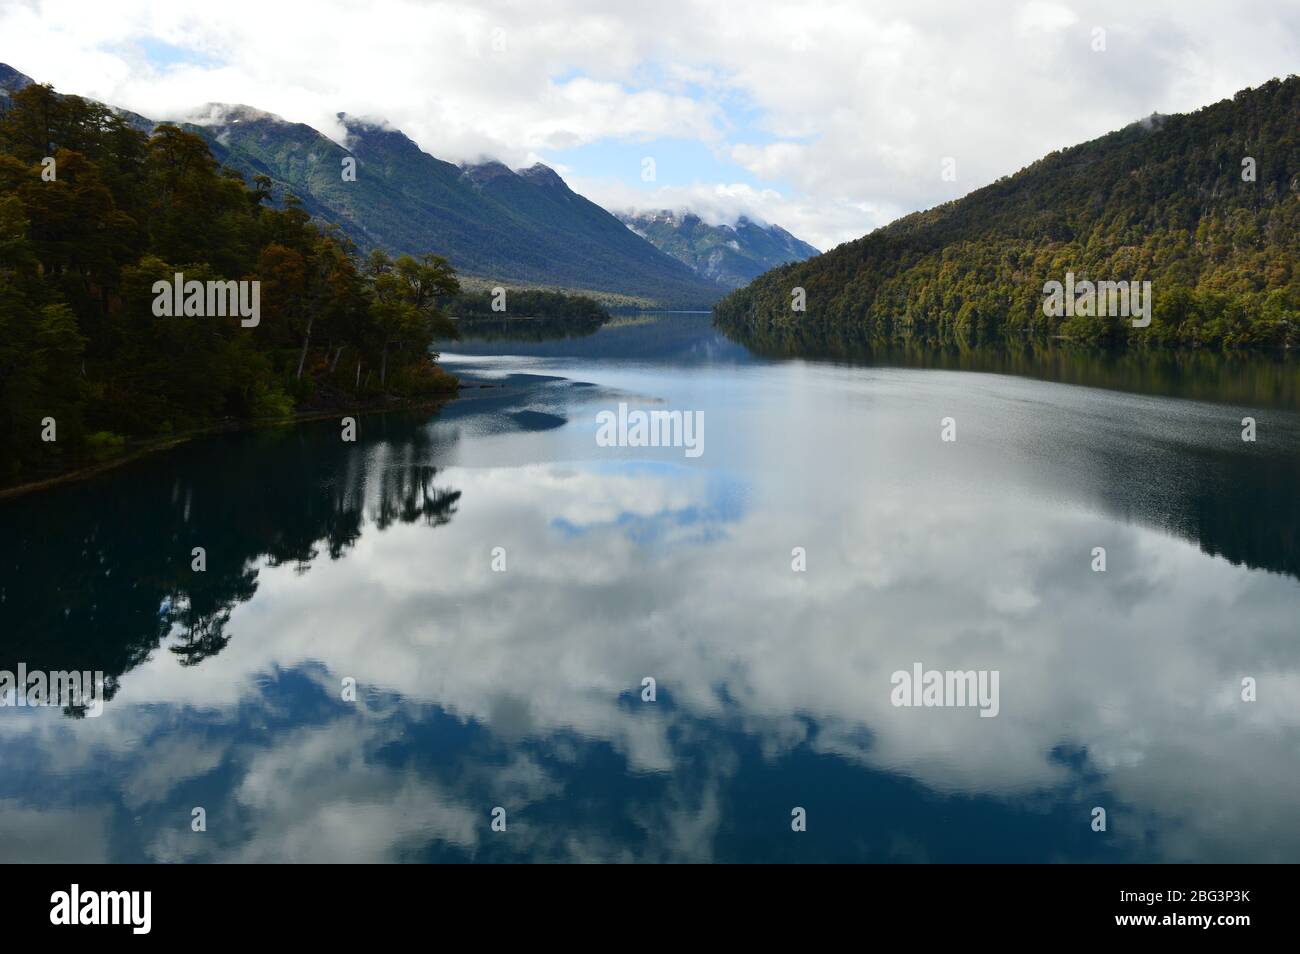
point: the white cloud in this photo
(774, 161)
(855, 105)
(1046, 17)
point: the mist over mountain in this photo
(495, 224)
(513, 226)
(732, 255)
(492, 222)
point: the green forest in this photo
(526, 303)
(1172, 200)
(93, 212)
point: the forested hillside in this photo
(93, 213)
(525, 303)
(1162, 200)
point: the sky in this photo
(827, 118)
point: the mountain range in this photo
(525, 228)
(495, 224)
(732, 255)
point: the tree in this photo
(81, 253)
(406, 302)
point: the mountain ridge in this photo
(490, 221)
(1165, 199)
(732, 255)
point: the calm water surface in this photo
(522, 688)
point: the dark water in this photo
(521, 688)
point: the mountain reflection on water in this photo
(520, 686)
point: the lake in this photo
(484, 634)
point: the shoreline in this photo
(161, 444)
